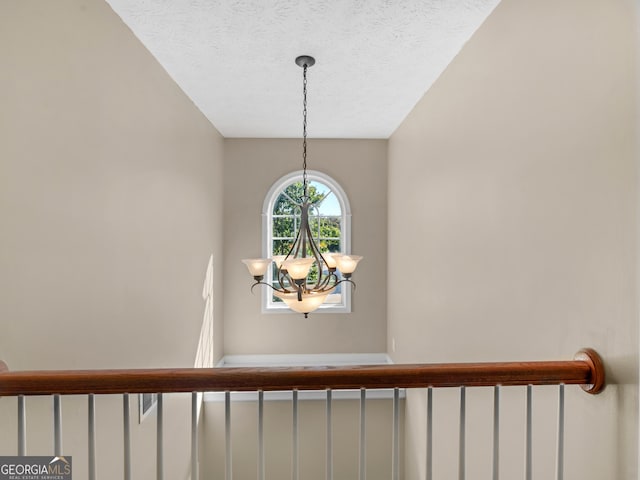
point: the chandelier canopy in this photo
(305, 276)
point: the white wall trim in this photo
(304, 360)
(270, 198)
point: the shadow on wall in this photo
(204, 353)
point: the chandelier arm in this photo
(283, 275)
(325, 284)
(291, 282)
(280, 277)
(260, 282)
(315, 251)
(295, 247)
(353, 285)
(300, 290)
(314, 246)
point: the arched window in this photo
(330, 222)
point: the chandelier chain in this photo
(304, 130)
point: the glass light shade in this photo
(257, 266)
(298, 268)
(347, 263)
(329, 258)
(310, 301)
(278, 259)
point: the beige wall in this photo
(110, 195)
(252, 166)
(512, 221)
(110, 200)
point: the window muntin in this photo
(329, 220)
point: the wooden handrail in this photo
(586, 369)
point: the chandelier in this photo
(304, 277)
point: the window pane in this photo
(330, 227)
(325, 227)
(330, 206)
(284, 227)
(314, 224)
(329, 246)
(276, 281)
(282, 247)
(284, 205)
(317, 192)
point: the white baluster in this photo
(227, 430)
(295, 467)
(528, 435)
(194, 436)
(363, 444)
(496, 432)
(560, 451)
(57, 426)
(395, 457)
(260, 435)
(329, 437)
(22, 427)
(429, 456)
(462, 435)
(91, 444)
(126, 418)
(160, 438)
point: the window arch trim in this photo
(271, 198)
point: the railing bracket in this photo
(591, 357)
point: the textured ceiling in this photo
(235, 58)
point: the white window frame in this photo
(268, 306)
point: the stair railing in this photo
(586, 370)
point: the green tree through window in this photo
(324, 218)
